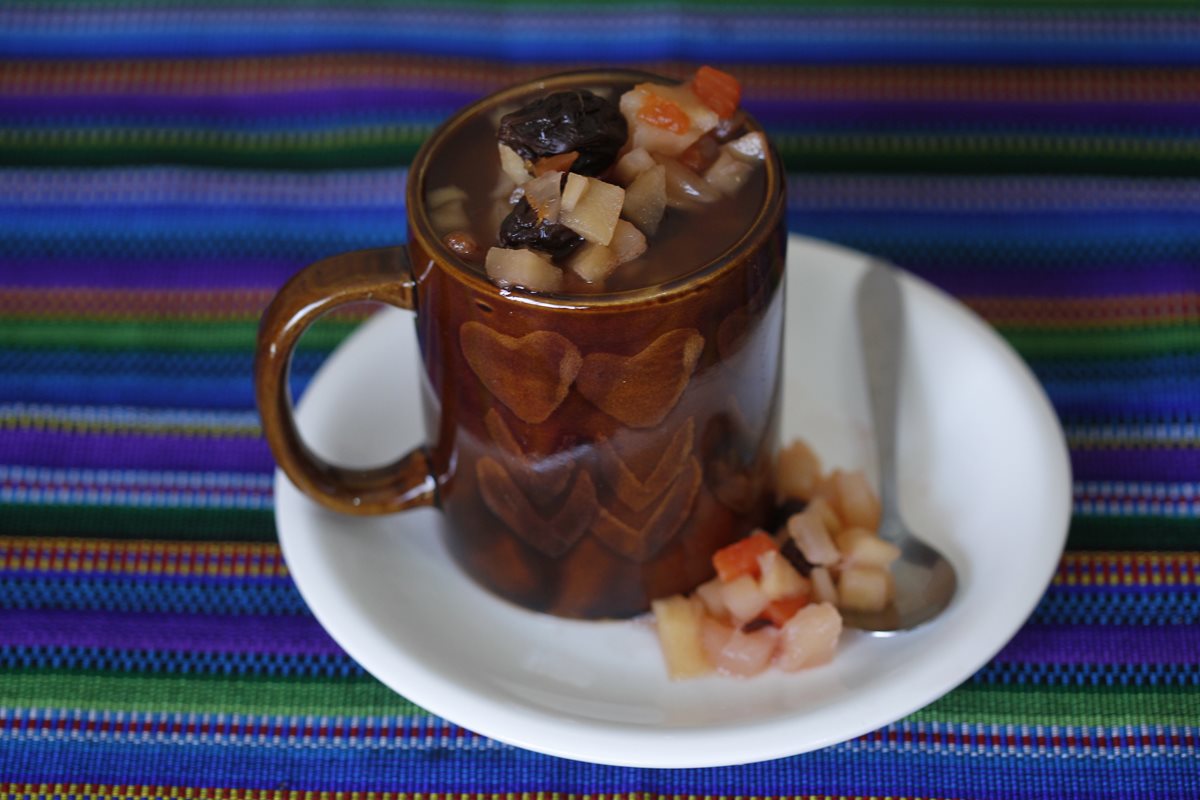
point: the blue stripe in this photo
(180, 391)
(238, 596)
(149, 364)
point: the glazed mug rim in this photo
(421, 230)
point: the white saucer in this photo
(986, 477)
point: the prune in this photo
(577, 120)
(523, 228)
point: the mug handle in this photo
(385, 275)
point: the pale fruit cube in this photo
(857, 503)
(820, 507)
(513, 165)
(627, 242)
(711, 596)
(522, 268)
(646, 199)
(746, 654)
(862, 548)
(446, 194)
(594, 216)
(864, 589)
(810, 638)
(750, 148)
(744, 599)
(714, 635)
(779, 578)
(797, 471)
(451, 216)
(823, 588)
(544, 195)
(728, 173)
(593, 262)
(678, 621)
(576, 185)
(808, 531)
(660, 140)
(632, 164)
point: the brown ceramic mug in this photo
(589, 452)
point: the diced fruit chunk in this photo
(864, 589)
(593, 262)
(743, 598)
(796, 472)
(557, 163)
(686, 189)
(823, 587)
(863, 548)
(594, 216)
(627, 242)
(445, 194)
(576, 185)
(780, 611)
(810, 637)
(646, 199)
(714, 634)
(741, 558)
(543, 195)
(513, 165)
(857, 502)
(808, 531)
(751, 148)
(718, 90)
(820, 508)
(679, 622)
(658, 139)
(522, 268)
(779, 578)
(632, 164)
(728, 173)
(710, 594)
(746, 654)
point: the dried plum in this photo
(576, 120)
(523, 228)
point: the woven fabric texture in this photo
(165, 166)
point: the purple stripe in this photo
(40, 448)
(196, 633)
(177, 273)
(1103, 644)
(801, 115)
(1143, 464)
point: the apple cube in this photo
(864, 588)
(594, 215)
(797, 471)
(779, 578)
(746, 654)
(809, 638)
(593, 262)
(808, 531)
(744, 599)
(646, 199)
(678, 621)
(522, 268)
(823, 588)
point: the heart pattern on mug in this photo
(541, 477)
(553, 536)
(636, 494)
(642, 542)
(531, 375)
(640, 390)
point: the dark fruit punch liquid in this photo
(686, 239)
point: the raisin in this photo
(791, 551)
(463, 244)
(756, 624)
(564, 121)
(523, 228)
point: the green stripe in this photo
(154, 335)
(354, 696)
(848, 152)
(1110, 343)
(118, 522)
(1133, 533)
(364, 696)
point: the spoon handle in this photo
(881, 332)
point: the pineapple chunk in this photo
(820, 507)
(646, 199)
(594, 216)
(808, 531)
(709, 593)
(632, 164)
(824, 589)
(513, 165)
(779, 578)
(856, 501)
(576, 185)
(627, 242)
(810, 637)
(593, 262)
(679, 633)
(522, 268)
(862, 548)
(797, 471)
(744, 599)
(864, 589)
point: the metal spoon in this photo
(925, 580)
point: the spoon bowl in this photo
(925, 580)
